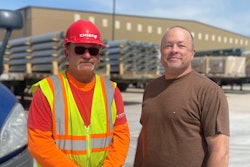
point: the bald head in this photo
(177, 52)
(178, 28)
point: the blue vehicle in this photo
(13, 117)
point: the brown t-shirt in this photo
(176, 117)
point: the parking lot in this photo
(239, 106)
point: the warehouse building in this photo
(39, 20)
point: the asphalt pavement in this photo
(239, 107)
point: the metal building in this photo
(39, 20)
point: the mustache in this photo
(80, 62)
(85, 61)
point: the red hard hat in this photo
(83, 31)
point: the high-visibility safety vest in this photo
(85, 145)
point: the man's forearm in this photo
(119, 148)
(44, 150)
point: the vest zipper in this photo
(88, 147)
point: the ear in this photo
(194, 51)
(66, 52)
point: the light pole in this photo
(113, 20)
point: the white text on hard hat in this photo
(88, 35)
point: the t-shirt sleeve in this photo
(39, 112)
(121, 116)
(215, 113)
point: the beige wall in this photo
(134, 28)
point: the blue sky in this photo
(230, 15)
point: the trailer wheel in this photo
(122, 86)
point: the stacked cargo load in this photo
(116, 51)
(223, 66)
(126, 62)
(132, 62)
(15, 58)
(103, 67)
(199, 64)
(133, 57)
(224, 69)
(41, 55)
(46, 53)
(246, 54)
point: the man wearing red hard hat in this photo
(77, 117)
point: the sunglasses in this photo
(81, 50)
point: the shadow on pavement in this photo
(229, 91)
(131, 103)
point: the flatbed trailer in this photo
(30, 59)
(224, 67)
(229, 80)
(138, 80)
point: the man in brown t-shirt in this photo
(185, 117)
